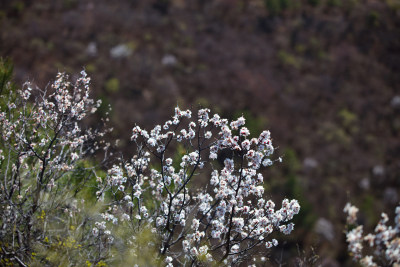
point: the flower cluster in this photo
(385, 240)
(228, 215)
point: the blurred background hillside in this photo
(321, 75)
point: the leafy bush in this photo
(43, 170)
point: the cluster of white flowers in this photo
(229, 215)
(385, 240)
(54, 117)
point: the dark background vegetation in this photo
(321, 75)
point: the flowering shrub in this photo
(42, 171)
(385, 242)
(176, 200)
(220, 221)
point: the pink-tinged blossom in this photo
(354, 238)
(244, 132)
(351, 213)
(367, 261)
